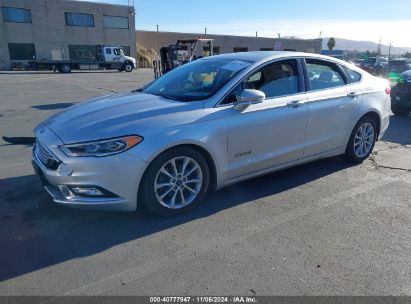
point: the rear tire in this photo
(181, 187)
(66, 68)
(400, 111)
(362, 140)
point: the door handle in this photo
(353, 95)
(295, 104)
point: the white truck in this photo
(108, 58)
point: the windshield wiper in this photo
(164, 96)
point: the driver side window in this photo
(275, 80)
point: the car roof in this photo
(258, 56)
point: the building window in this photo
(13, 14)
(79, 19)
(206, 50)
(240, 49)
(266, 49)
(116, 22)
(126, 50)
(22, 51)
(83, 52)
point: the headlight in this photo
(102, 147)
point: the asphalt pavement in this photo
(325, 228)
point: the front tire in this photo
(362, 140)
(128, 67)
(175, 181)
(400, 111)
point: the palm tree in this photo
(331, 43)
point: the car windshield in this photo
(197, 80)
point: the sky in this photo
(370, 20)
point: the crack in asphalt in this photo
(378, 166)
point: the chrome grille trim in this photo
(43, 154)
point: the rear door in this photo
(333, 101)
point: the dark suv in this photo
(401, 95)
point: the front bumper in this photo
(119, 175)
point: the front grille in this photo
(48, 159)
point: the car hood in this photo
(120, 115)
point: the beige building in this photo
(61, 30)
(149, 41)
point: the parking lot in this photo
(325, 228)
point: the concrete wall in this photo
(147, 39)
(48, 29)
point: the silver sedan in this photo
(206, 125)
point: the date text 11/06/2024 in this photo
(238, 299)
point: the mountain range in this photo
(362, 46)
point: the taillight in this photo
(388, 91)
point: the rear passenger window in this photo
(353, 75)
(323, 75)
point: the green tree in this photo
(331, 43)
(407, 55)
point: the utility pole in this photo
(256, 34)
(157, 50)
(389, 53)
(205, 31)
(321, 38)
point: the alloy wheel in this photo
(178, 182)
(364, 140)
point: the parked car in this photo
(396, 67)
(206, 125)
(401, 95)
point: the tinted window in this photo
(353, 75)
(78, 19)
(108, 51)
(274, 80)
(323, 74)
(116, 22)
(22, 51)
(12, 14)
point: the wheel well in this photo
(377, 120)
(209, 159)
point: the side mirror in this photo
(247, 98)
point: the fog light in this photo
(65, 191)
(87, 191)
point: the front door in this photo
(271, 133)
